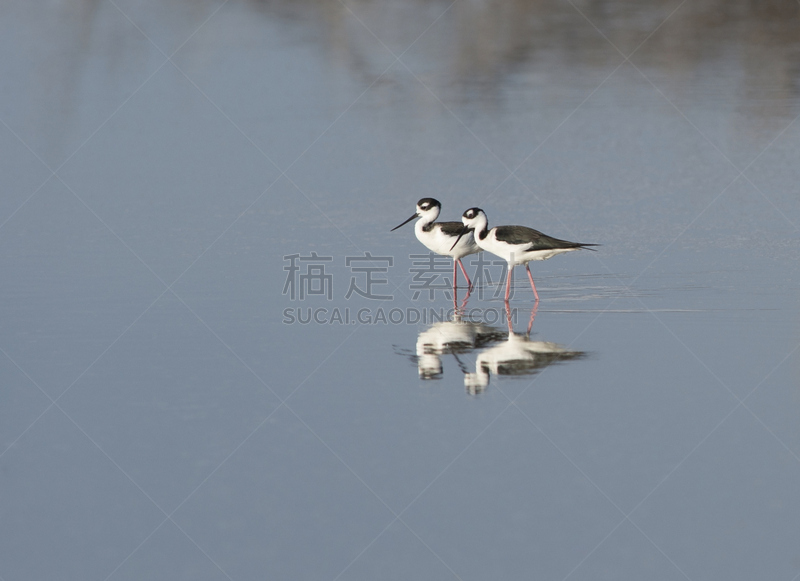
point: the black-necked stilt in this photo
(442, 237)
(515, 244)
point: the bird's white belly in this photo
(440, 243)
(514, 255)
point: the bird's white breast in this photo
(440, 243)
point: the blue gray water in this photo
(166, 415)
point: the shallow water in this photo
(166, 413)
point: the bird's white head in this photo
(427, 208)
(475, 219)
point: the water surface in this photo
(161, 163)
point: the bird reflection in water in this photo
(500, 352)
(455, 337)
(517, 355)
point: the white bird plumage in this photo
(442, 237)
(514, 244)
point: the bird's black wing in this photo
(451, 228)
(520, 235)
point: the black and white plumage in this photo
(515, 244)
(442, 237)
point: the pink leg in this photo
(508, 281)
(533, 286)
(455, 282)
(469, 282)
(508, 318)
(533, 316)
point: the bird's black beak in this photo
(404, 223)
(464, 230)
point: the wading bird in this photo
(443, 238)
(515, 244)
